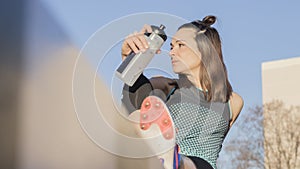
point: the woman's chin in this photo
(176, 71)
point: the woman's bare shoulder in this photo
(236, 106)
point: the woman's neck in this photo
(195, 80)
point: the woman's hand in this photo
(136, 42)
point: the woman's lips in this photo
(174, 61)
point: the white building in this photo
(281, 81)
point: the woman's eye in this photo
(177, 45)
(180, 44)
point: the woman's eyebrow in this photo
(177, 41)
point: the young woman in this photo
(201, 101)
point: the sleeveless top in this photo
(201, 126)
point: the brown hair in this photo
(213, 72)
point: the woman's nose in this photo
(171, 53)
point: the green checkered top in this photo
(202, 126)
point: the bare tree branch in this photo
(281, 132)
(269, 137)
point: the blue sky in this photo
(252, 32)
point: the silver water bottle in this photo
(135, 63)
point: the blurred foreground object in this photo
(39, 126)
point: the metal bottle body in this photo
(134, 64)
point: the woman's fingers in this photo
(146, 29)
(133, 44)
(143, 40)
(126, 47)
(136, 42)
(158, 51)
(140, 41)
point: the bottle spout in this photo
(162, 27)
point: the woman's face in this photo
(184, 52)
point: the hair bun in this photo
(209, 20)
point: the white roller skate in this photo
(157, 127)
